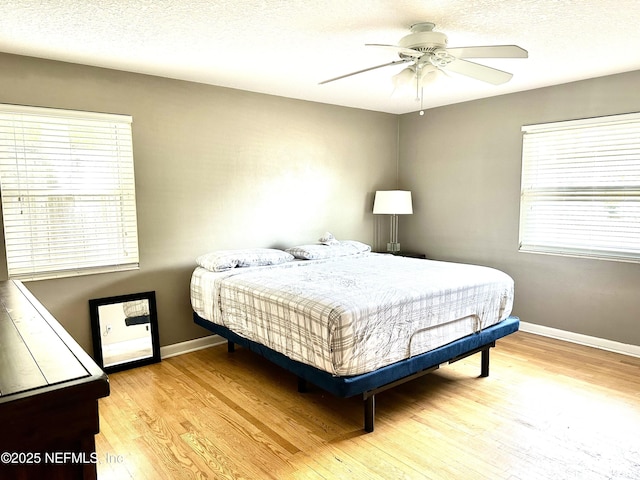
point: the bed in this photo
(350, 321)
(136, 312)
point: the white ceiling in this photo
(285, 47)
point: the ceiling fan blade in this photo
(489, 51)
(410, 52)
(479, 72)
(395, 62)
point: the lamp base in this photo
(393, 247)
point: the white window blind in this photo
(68, 192)
(581, 188)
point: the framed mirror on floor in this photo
(125, 331)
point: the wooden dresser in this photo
(49, 391)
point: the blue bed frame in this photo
(369, 384)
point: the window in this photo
(68, 192)
(581, 188)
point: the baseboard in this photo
(191, 346)
(601, 343)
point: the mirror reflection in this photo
(125, 331)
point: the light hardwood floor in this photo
(548, 410)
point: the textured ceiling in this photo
(285, 48)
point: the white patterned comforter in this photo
(352, 315)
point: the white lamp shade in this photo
(392, 202)
(404, 81)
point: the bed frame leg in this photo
(231, 347)
(369, 412)
(484, 371)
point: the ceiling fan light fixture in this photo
(441, 58)
(429, 74)
(404, 79)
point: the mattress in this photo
(351, 315)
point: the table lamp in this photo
(394, 203)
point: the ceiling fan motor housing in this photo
(424, 41)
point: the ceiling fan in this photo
(427, 53)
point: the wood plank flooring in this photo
(548, 410)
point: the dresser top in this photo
(37, 355)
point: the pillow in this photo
(222, 260)
(339, 249)
(328, 239)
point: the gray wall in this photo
(215, 168)
(463, 163)
(222, 168)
